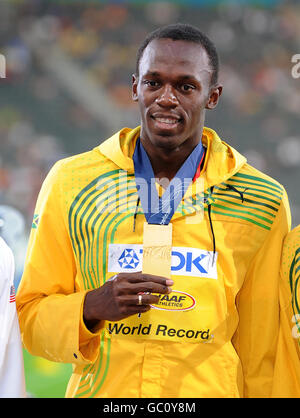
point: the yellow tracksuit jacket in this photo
(215, 335)
(287, 365)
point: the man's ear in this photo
(214, 97)
(134, 88)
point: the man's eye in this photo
(187, 87)
(151, 83)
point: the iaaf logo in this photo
(124, 258)
(175, 301)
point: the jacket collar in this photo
(221, 161)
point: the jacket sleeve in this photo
(49, 302)
(258, 307)
(12, 381)
(287, 366)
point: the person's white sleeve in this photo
(12, 381)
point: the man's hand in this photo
(119, 298)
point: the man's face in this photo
(173, 90)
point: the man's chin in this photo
(162, 139)
(166, 141)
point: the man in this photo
(210, 328)
(12, 382)
(287, 366)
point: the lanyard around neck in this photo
(159, 210)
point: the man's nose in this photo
(167, 97)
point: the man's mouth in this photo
(166, 121)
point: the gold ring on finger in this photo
(140, 302)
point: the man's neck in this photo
(166, 163)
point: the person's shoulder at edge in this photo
(6, 260)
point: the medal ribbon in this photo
(159, 210)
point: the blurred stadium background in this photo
(67, 88)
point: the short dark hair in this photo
(183, 32)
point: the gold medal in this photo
(157, 248)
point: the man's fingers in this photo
(140, 278)
(152, 288)
(147, 287)
(138, 282)
(139, 299)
